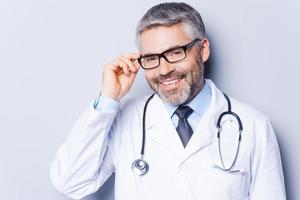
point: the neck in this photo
(195, 91)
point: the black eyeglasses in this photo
(173, 55)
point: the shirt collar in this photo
(202, 99)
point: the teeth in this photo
(170, 82)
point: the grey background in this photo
(51, 58)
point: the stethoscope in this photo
(140, 167)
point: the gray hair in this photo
(167, 14)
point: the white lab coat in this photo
(104, 143)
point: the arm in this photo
(267, 176)
(86, 159)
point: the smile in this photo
(169, 82)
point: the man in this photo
(179, 156)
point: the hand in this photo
(118, 76)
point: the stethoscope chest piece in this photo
(140, 167)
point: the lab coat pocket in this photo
(232, 184)
(228, 168)
(228, 151)
(234, 171)
(210, 183)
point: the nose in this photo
(165, 67)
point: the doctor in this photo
(183, 157)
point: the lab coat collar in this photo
(164, 132)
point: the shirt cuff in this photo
(106, 104)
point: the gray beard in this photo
(175, 98)
(195, 82)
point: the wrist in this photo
(111, 95)
(106, 104)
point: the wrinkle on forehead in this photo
(160, 38)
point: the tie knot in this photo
(183, 112)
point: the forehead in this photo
(160, 38)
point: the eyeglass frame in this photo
(161, 55)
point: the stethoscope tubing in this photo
(144, 125)
(141, 167)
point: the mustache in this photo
(172, 75)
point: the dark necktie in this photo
(184, 129)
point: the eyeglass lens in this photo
(173, 55)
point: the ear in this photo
(205, 50)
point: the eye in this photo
(150, 58)
(177, 51)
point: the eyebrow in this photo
(152, 54)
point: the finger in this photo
(136, 64)
(119, 64)
(130, 64)
(132, 76)
(132, 56)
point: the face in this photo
(175, 83)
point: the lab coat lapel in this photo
(206, 131)
(160, 128)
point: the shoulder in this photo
(134, 101)
(243, 110)
(255, 123)
(132, 105)
(247, 111)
